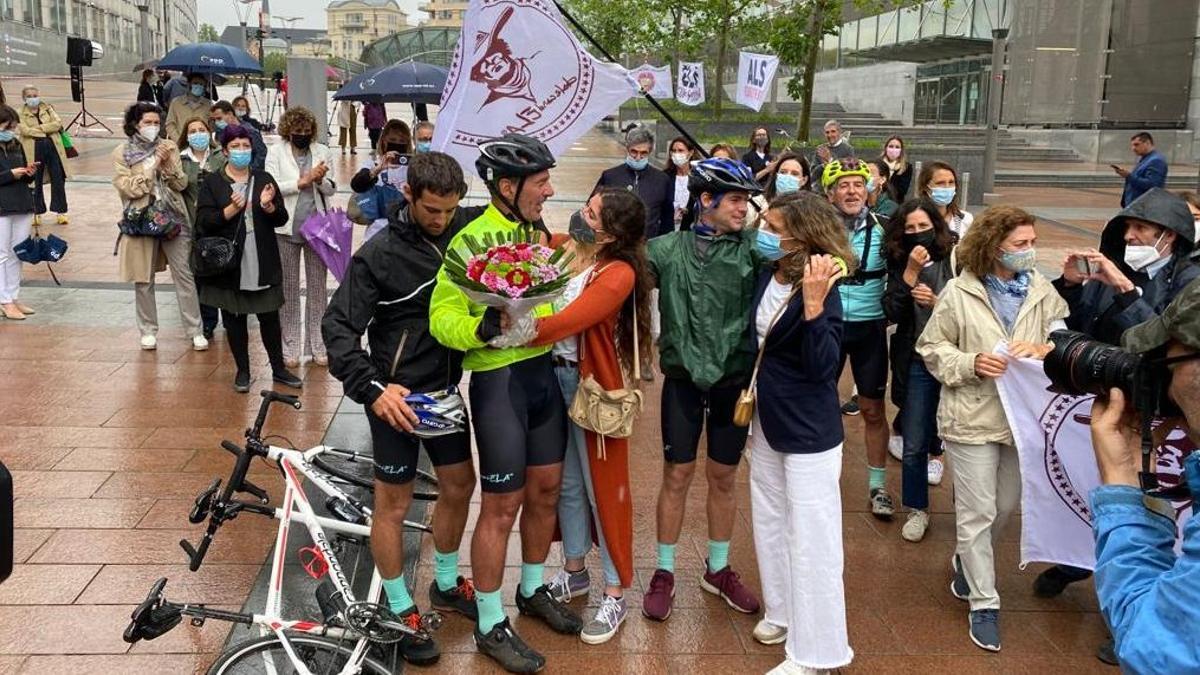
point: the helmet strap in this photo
(512, 205)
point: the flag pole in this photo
(653, 101)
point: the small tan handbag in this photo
(743, 411)
(608, 412)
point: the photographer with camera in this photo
(1149, 596)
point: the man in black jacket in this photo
(386, 294)
(655, 188)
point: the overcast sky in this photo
(222, 13)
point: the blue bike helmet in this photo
(717, 175)
(440, 412)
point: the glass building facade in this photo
(427, 45)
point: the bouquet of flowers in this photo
(511, 271)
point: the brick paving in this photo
(109, 444)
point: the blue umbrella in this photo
(209, 57)
(410, 82)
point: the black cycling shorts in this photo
(865, 344)
(686, 410)
(396, 451)
(520, 421)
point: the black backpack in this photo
(6, 523)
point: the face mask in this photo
(679, 158)
(870, 185)
(637, 164)
(927, 238)
(767, 244)
(579, 229)
(197, 90)
(785, 183)
(893, 153)
(401, 148)
(6, 135)
(33, 101)
(149, 133)
(198, 140)
(1139, 257)
(239, 158)
(302, 141)
(424, 146)
(1019, 261)
(942, 196)
(220, 125)
(241, 112)
(760, 141)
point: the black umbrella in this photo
(410, 82)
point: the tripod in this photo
(82, 117)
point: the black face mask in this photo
(302, 141)
(579, 229)
(401, 148)
(928, 239)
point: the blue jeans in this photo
(577, 500)
(920, 431)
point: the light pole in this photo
(287, 37)
(144, 36)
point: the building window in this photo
(33, 12)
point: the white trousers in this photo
(14, 229)
(987, 490)
(797, 513)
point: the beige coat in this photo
(141, 257)
(50, 127)
(963, 325)
(184, 108)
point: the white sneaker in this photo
(768, 633)
(914, 528)
(896, 447)
(200, 343)
(935, 470)
(789, 667)
(149, 342)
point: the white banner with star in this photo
(1058, 466)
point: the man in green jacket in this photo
(706, 279)
(520, 420)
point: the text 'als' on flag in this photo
(517, 69)
(654, 81)
(755, 73)
(689, 90)
(1058, 466)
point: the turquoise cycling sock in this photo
(397, 593)
(718, 555)
(491, 611)
(876, 477)
(531, 578)
(666, 557)
(445, 569)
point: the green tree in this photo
(622, 27)
(208, 33)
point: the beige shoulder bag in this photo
(608, 412)
(743, 412)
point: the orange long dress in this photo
(593, 317)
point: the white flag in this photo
(690, 88)
(755, 75)
(654, 81)
(1058, 466)
(517, 69)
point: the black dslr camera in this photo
(1079, 366)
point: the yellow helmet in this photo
(836, 169)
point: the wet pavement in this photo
(109, 444)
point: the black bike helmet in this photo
(512, 156)
(718, 175)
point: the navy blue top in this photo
(797, 398)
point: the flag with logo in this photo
(653, 80)
(1058, 466)
(689, 90)
(517, 69)
(755, 75)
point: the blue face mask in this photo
(198, 140)
(870, 185)
(239, 158)
(33, 101)
(1019, 261)
(6, 136)
(785, 183)
(197, 90)
(637, 164)
(424, 146)
(220, 125)
(767, 244)
(942, 196)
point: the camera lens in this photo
(1079, 366)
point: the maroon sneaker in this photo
(726, 584)
(656, 604)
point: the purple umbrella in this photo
(329, 234)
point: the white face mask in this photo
(679, 158)
(149, 133)
(1139, 256)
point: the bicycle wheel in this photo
(266, 655)
(356, 469)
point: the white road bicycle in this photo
(352, 634)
